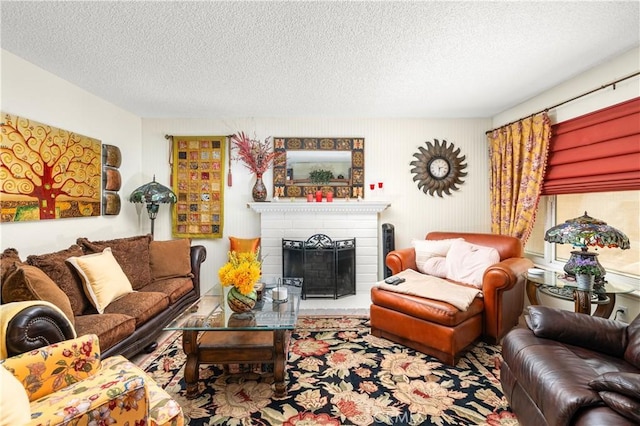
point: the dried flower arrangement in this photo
(256, 155)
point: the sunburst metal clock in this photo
(438, 168)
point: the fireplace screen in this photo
(328, 267)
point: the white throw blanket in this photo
(435, 288)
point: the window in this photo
(620, 209)
(589, 155)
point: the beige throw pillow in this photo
(14, 402)
(102, 277)
(467, 262)
(132, 254)
(436, 266)
(426, 249)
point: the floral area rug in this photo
(339, 374)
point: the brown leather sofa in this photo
(440, 329)
(569, 368)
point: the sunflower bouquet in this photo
(242, 271)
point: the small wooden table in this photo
(213, 334)
(554, 285)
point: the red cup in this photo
(379, 184)
(329, 197)
(309, 197)
(372, 186)
(318, 196)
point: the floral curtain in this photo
(518, 157)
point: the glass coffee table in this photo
(555, 284)
(213, 334)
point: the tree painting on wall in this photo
(46, 172)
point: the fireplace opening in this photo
(328, 267)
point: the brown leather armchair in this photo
(440, 329)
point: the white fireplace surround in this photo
(299, 220)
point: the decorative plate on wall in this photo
(438, 168)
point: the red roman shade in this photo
(596, 152)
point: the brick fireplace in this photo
(300, 220)
(327, 267)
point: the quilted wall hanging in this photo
(47, 172)
(198, 170)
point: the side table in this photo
(555, 285)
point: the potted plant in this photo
(241, 273)
(320, 176)
(586, 269)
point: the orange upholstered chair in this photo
(439, 328)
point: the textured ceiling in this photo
(318, 59)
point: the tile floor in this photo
(357, 304)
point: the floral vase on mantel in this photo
(259, 191)
(239, 302)
(585, 281)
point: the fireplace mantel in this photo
(324, 207)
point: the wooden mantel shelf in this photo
(337, 206)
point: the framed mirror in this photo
(311, 164)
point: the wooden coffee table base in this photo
(235, 347)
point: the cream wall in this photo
(390, 143)
(389, 148)
(621, 66)
(30, 92)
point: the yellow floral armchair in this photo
(67, 383)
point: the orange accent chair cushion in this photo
(241, 245)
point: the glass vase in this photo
(239, 302)
(259, 191)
